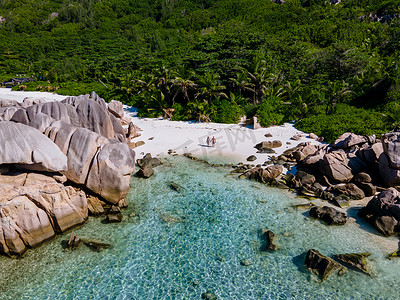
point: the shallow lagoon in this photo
(220, 220)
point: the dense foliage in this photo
(334, 67)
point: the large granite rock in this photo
(102, 166)
(391, 147)
(116, 108)
(336, 166)
(33, 208)
(383, 212)
(55, 110)
(348, 140)
(94, 117)
(24, 145)
(390, 176)
(110, 172)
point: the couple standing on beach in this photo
(213, 141)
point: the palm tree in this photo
(336, 91)
(242, 82)
(260, 78)
(163, 81)
(146, 84)
(201, 110)
(210, 87)
(182, 86)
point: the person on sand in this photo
(208, 141)
(213, 141)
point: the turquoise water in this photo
(219, 218)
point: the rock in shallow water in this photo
(322, 265)
(329, 215)
(356, 260)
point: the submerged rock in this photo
(322, 265)
(73, 242)
(268, 238)
(356, 261)
(95, 244)
(209, 296)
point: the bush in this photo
(227, 112)
(271, 112)
(346, 119)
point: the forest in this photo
(328, 66)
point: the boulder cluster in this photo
(351, 168)
(48, 151)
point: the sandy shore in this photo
(234, 142)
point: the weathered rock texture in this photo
(24, 145)
(33, 208)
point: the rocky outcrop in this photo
(32, 212)
(28, 147)
(383, 212)
(110, 172)
(79, 138)
(116, 108)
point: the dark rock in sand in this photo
(296, 137)
(251, 158)
(356, 261)
(329, 215)
(266, 151)
(268, 144)
(322, 265)
(268, 135)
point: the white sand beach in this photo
(234, 142)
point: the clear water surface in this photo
(212, 224)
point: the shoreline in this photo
(235, 143)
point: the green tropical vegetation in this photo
(331, 68)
